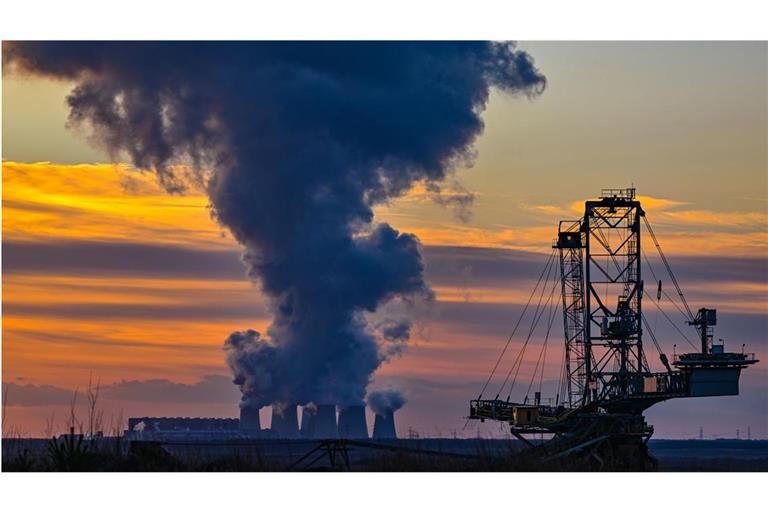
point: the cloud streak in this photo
(211, 389)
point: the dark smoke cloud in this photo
(394, 333)
(385, 401)
(392, 330)
(457, 198)
(300, 141)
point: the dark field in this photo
(714, 455)
(115, 454)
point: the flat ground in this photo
(303, 455)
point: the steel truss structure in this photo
(608, 381)
(613, 342)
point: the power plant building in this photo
(317, 422)
(152, 424)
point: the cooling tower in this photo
(325, 422)
(384, 426)
(308, 417)
(249, 420)
(285, 423)
(352, 423)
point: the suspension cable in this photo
(520, 318)
(669, 269)
(543, 352)
(534, 324)
(543, 363)
(681, 333)
(519, 357)
(663, 292)
(653, 336)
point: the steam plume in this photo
(302, 140)
(386, 401)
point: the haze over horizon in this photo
(105, 272)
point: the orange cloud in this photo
(690, 232)
(575, 209)
(755, 220)
(104, 202)
(57, 328)
(101, 202)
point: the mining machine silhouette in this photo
(596, 421)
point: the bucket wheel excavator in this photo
(596, 420)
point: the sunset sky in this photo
(105, 273)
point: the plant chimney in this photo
(308, 420)
(285, 422)
(325, 422)
(384, 426)
(250, 423)
(352, 423)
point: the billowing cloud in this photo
(385, 401)
(302, 141)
